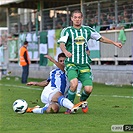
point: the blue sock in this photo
(44, 109)
(60, 100)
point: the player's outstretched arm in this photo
(106, 40)
(55, 62)
(63, 48)
(42, 84)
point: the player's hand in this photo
(49, 57)
(31, 83)
(118, 44)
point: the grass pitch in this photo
(108, 105)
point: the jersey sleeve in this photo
(94, 34)
(63, 37)
(48, 80)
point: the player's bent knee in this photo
(73, 84)
(88, 89)
(53, 108)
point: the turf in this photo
(108, 105)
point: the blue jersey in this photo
(58, 79)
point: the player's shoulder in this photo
(88, 28)
(66, 28)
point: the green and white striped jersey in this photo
(76, 42)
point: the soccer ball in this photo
(20, 106)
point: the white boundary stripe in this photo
(20, 86)
(116, 96)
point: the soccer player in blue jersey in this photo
(73, 42)
(55, 91)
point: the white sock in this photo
(38, 111)
(65, 102)
(79, 87)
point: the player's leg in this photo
(30, 109)
(53, 98)
(53, 108)
(62, 101)
(53, 95)
(71, 108)
(45, 98)
(65, 102)
(49, 108)
(88, 86)
(72, 74)
(84, 96)
(72, 89)
(86, 79)
(86, 93)
(73, 85)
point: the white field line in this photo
(116, 96)
(16, 86)
(26, 87)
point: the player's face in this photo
(61, 60)
(77, 19)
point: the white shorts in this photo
(47, 94)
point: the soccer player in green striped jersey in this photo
(73, 42)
